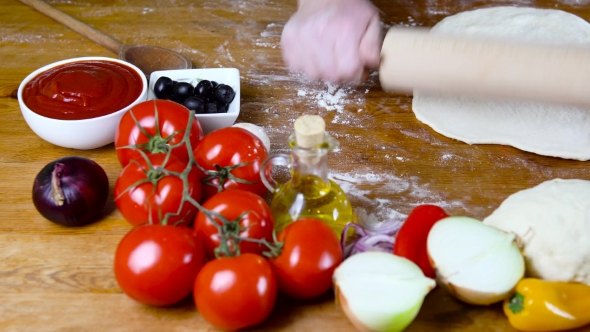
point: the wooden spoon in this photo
(145, 57)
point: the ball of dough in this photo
(553, 222)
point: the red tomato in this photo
(155, 134)
(157, 265)
(251, 216)
(222, 151)
(310, 254)
(146, 195)
(233, 293)
(410, 241)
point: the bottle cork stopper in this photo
(309, 131)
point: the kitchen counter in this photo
(54, 278)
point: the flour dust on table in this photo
(549, 130)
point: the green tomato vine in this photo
(228, 230)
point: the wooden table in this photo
(61, 279)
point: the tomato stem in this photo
(228, 230)
(223, 174)
(274, 248)
(156, 143)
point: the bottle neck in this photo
(310, 162)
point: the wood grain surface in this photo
(54, 278)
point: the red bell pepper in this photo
(410, 241)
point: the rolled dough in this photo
(550, 130)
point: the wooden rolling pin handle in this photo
(81, 28)
(412, 58)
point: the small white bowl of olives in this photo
(213, 93)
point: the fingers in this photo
(303, 49)
(288, 45)
(347, 63)
(333, 43)
(371, 42)
(360, 53)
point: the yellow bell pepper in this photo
(539, 305)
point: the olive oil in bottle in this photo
(309, 193)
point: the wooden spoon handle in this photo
(81, 28)
(411, 58)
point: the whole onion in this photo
(71, 191)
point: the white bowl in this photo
(229, 76)
(77, 134)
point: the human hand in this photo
(333, 40)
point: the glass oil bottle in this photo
(309, 193)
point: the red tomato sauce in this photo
(82, 90)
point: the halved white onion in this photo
(478, 264)
(256, 130)
(379, 291)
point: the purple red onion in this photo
(71, 191)
(369, 238)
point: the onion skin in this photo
(71, 191)
(472, 296)
(342, 302)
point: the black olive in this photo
(163, 87)
(204, 89)
(222, 108)
(210, 108)
(224, 94)
(170, 97)
(183, 90)
(195, 104)
(173, 98)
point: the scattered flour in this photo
(271, 36)
(14, 37)
(147, 10)
(410, 23)
(575, 3)
(332, 99)
(223, 51)
(366, 188)
(339, 119)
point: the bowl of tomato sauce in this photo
(78, 103)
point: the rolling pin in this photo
(412, 58)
